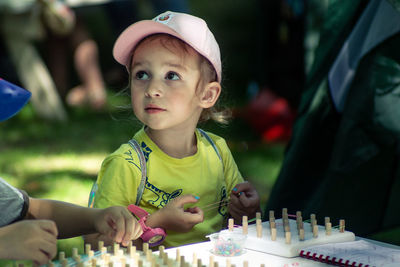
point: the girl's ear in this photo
(210, 94)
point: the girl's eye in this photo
(141, 75)
(172, 76)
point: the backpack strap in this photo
(212, 144)
(135, 145)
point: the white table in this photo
(255, 259)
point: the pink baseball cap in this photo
(190, 29)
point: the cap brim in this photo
(132, 35)
(12, 99)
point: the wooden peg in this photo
(211, 261)
(284, 213)
(145, 248)
(199, 263)
(315, 231)
(116, 248)
(87, 248)
(178, 256)
(298, 214)
(245, 264)
(271, 215)
(299, 221)
(194, 259)
(64, 263)
(61, 256)
(100, 245)
(328, 228)
(272, 225)
(77, 258)
(228, 263)
(230, 224)
(258, 228)
(327, 220)
(165, 258)
(288, 237)
(123, 261)
(313, 220)
(273, 234)
(161, 251)
(91, 254)
(107, 257)
(301, 234)
(75, 253)
(341, 226)
(182, 261)
(245, 225)
(258, 215)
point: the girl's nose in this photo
(154, 89)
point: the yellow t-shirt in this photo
(201, 175)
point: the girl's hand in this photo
(175, 217)
(244, 200)
(118, 224)
(34, 240)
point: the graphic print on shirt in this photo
(146, 150)
(130, 158)
(223, 207)
(161, 197)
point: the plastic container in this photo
(228, 243)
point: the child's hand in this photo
(174, 217)
(34, 240)
(118, 224)
(244, 200)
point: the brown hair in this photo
(207, 75)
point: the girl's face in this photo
(163, 86)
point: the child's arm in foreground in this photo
(37, 239)
(34, 240)
(73, 220)
(244, 200)
(172, 217)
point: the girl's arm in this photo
(73, 220)
(175, 217)
(244, 200)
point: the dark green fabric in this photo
(346, 166)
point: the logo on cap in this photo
(164, 18)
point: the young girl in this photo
(175, 73)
